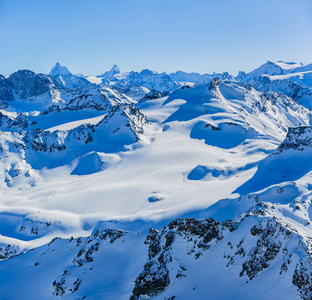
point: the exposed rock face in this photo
(7, 251)
(273, 245)
(302, 278)
(28, 84)
(153, 95)
(198, 233)
(123, 117)
(267, 247)
(6, 93)
(134, 91)
(250, 248)
(88, 101)
(96, 98)
(297, 138)
(85, 249)
(269, 243)
(18, 123)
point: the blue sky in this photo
(89, 36)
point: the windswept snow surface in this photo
(224, 128)
(115, 196)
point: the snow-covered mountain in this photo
(272, 69)
(139, 187)
(25, 88)
(146, 78)
(152, 80)
(207, 78)
(112, 75)
(67, 79)
(135, 84)
(292, 79)
(181, 76)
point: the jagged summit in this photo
(115, 69)
(58, 70)
(62, 75)
(109, 74)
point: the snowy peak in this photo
(58, 70)
(292, 79)
(110, 75)
(269, 68)
(274, 69)
(115, 70)
(67, 79)
(125, 123)
(256, 114)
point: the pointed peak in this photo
(58, 70)
(116, 69)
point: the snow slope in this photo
(202, 192)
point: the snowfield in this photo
(131, 185)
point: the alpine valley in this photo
(139, 185)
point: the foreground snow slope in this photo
(199, 193)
